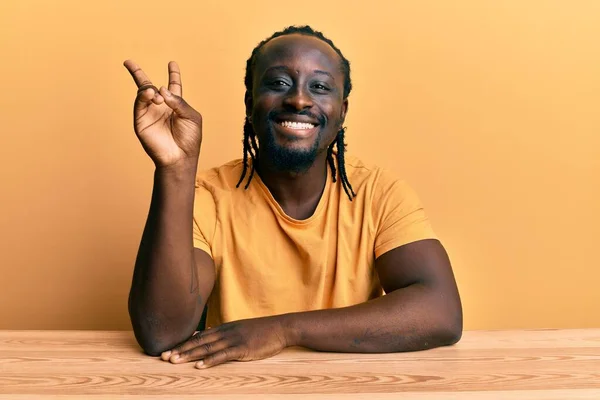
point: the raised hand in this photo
(169, 129)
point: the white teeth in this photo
(296, 125)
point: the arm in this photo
(421, 309)
(171, 280)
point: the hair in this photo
(249, 141)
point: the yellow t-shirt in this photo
(268, 263)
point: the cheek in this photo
(335, 119)
(330, 132)
(333, 112)
(261, 108)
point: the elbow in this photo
(442, 327)
(451, 335)
(153, 348)
(152, 342)
(154, 335)
(440, 334)
(450, 328)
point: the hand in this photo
(244, 340)
(169, 129)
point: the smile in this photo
(295, 130)
(296, 125)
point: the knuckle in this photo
(207, 347)
(180, 102)
(229, 353)
(145, 86)
(197, 339)
(218, 358)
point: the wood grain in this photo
(541, 364)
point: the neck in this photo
(298, 193)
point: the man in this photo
(294, 244)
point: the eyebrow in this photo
(284, 68)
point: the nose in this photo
(297, 99)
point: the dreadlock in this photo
(249, 141)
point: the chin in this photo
(291, 153)
(296, 146)
(290, 158)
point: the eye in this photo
(320, 87)
(279, 82)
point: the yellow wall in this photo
(489, 108)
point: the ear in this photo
(248, 102)
(344, 111)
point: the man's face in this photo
(297, 104)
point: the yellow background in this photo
(490, 109)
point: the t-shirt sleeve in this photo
(400, 217)
(205, 218)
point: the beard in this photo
(286, 159)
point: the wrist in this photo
(182, 170)
(291, 330)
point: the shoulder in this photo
(393, 208)
(222, 178)
(371, 179)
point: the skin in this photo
(285, 83)
(172, 280)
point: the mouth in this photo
(296, 128)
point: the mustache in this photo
(321, 118)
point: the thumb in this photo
(177, 104)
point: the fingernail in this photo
(175, 357)
(165, 355)
(200, 364)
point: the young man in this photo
(296, 243)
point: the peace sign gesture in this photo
(169, 129)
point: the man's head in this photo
(297, 85)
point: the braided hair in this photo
(249, 141)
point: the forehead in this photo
(300, 53)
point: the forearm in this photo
(408, 319)
(163, 298)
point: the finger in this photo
(158, 99)
(200, 352)
(144, 99)
(146, 96)
(149, 86)
(175, 79)
(220, 357)
(138, 75)
(177, 104)
(195, 341)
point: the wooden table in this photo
(535, 364)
